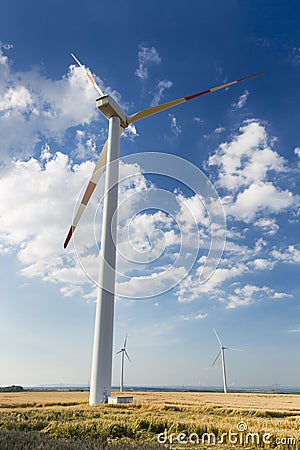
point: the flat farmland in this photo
(58, 419)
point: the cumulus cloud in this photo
(37, 205)
(34, 221)
(246, 158)
(246, 165)
(146, 56)
(42, 108)
(260, 197)
(38, 196)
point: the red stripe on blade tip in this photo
(71, 231)
(250, 76)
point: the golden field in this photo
(65, 420)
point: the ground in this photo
(64, 420)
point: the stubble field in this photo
(182, 420)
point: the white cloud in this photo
(242, 100)
(219, 130)
(249, 294)
(195, 206)
(297, 151)
(262, 264)
(196, 316)
(175, 127)
(36, 208)
(294, 330)
(198, 120)
(245, 159)
(86, 147)
(246, 165)
(4, 58)
(159, 91)
(296, 55)
(238, 261)
(150, 285)
(260, 245)
(18, 99)
(290, 255)
(40, 107)
(146, 56)
(282, 295)
(260, 197)
(130, 133)
(190, 288)
(35, 219)
(268, 225)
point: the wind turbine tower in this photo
(109, 160)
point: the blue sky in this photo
(244, 139)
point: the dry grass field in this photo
(251, 402)
(64, 420)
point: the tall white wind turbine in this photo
(222, 353)
(123, 352)
(103, 334)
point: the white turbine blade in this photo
(88, 74)
(155, 109)
(125, 341)
(219, 340)
(215, 360)
(127, 356)
(99, 167)
(97, 172)
(120, 351)
(235, 349)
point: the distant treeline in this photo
(12, 388)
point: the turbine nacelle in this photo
(110, 108)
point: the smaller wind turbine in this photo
(222, 353)
(124, 352)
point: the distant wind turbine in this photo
(118, 122)
(123, 351)
(222, 353)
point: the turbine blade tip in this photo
(251, 76)
(70, 233)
